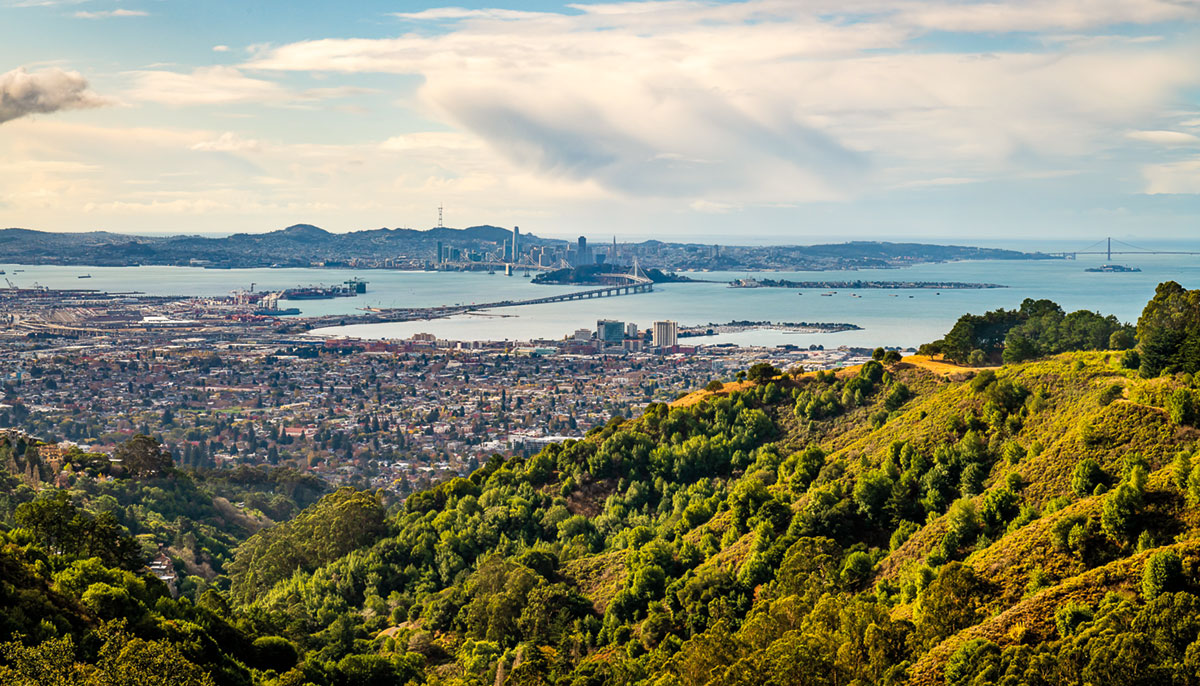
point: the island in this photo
(602, 273)
(739, 326)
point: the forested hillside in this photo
(905, 522)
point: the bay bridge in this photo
(1123, 248)
(635, 281)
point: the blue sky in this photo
(809, 120)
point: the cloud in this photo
(107, 14)
(228, 142)
(220, 48)
(454, 13)
(1173, 178)
(1163, 137)
(224, 85)
(1042, 15)
(774, 101)
(205, 86)
(44, 92)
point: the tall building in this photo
(584, 256)
(516, 243)
(631, 330)
(440, 257)
(665, 334)
(610, 331)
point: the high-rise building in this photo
(584, 256)
(665, 334)
(631, 330)
(516, 243)
(440, 254)
(610, 331)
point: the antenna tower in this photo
(440, 225)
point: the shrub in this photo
(1087, 475)
(1111, 393)
(1162, 574)
(1068, 618)
(857, 569)
(1131, 360)
(714, 386)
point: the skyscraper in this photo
(584, 257)
(516, 244)
(665, 334)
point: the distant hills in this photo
(303, 245)
(297, 245)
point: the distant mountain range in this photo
(298, 245)
(305, 245)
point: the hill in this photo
(907, 522)
(303, 245)
(298, 245)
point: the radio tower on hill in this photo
(440, 225)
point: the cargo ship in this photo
(348, 289)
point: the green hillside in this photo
(1033, 523)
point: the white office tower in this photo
(665, 334)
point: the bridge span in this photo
(636, 284)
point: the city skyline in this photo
(656, 119)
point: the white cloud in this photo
(1042, 15)
(1181, 177)
(444, 13)
(228, 142)
(205, 86)
(43, 92)
(771, 101)
(220, 48)
(108, 14)
(1163, 137)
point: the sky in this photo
(801, 120)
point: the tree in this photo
(64, 529)
(1119, 515)
(952, 602)
(1162, 574)
(1168, 331)
(762, 372)
(143, 458)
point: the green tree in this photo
(1162, 574)
(143, 458)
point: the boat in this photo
(85, 276)
(1112, 268)
(279, 312)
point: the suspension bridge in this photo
(1105, 247)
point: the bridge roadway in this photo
(638, 284)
